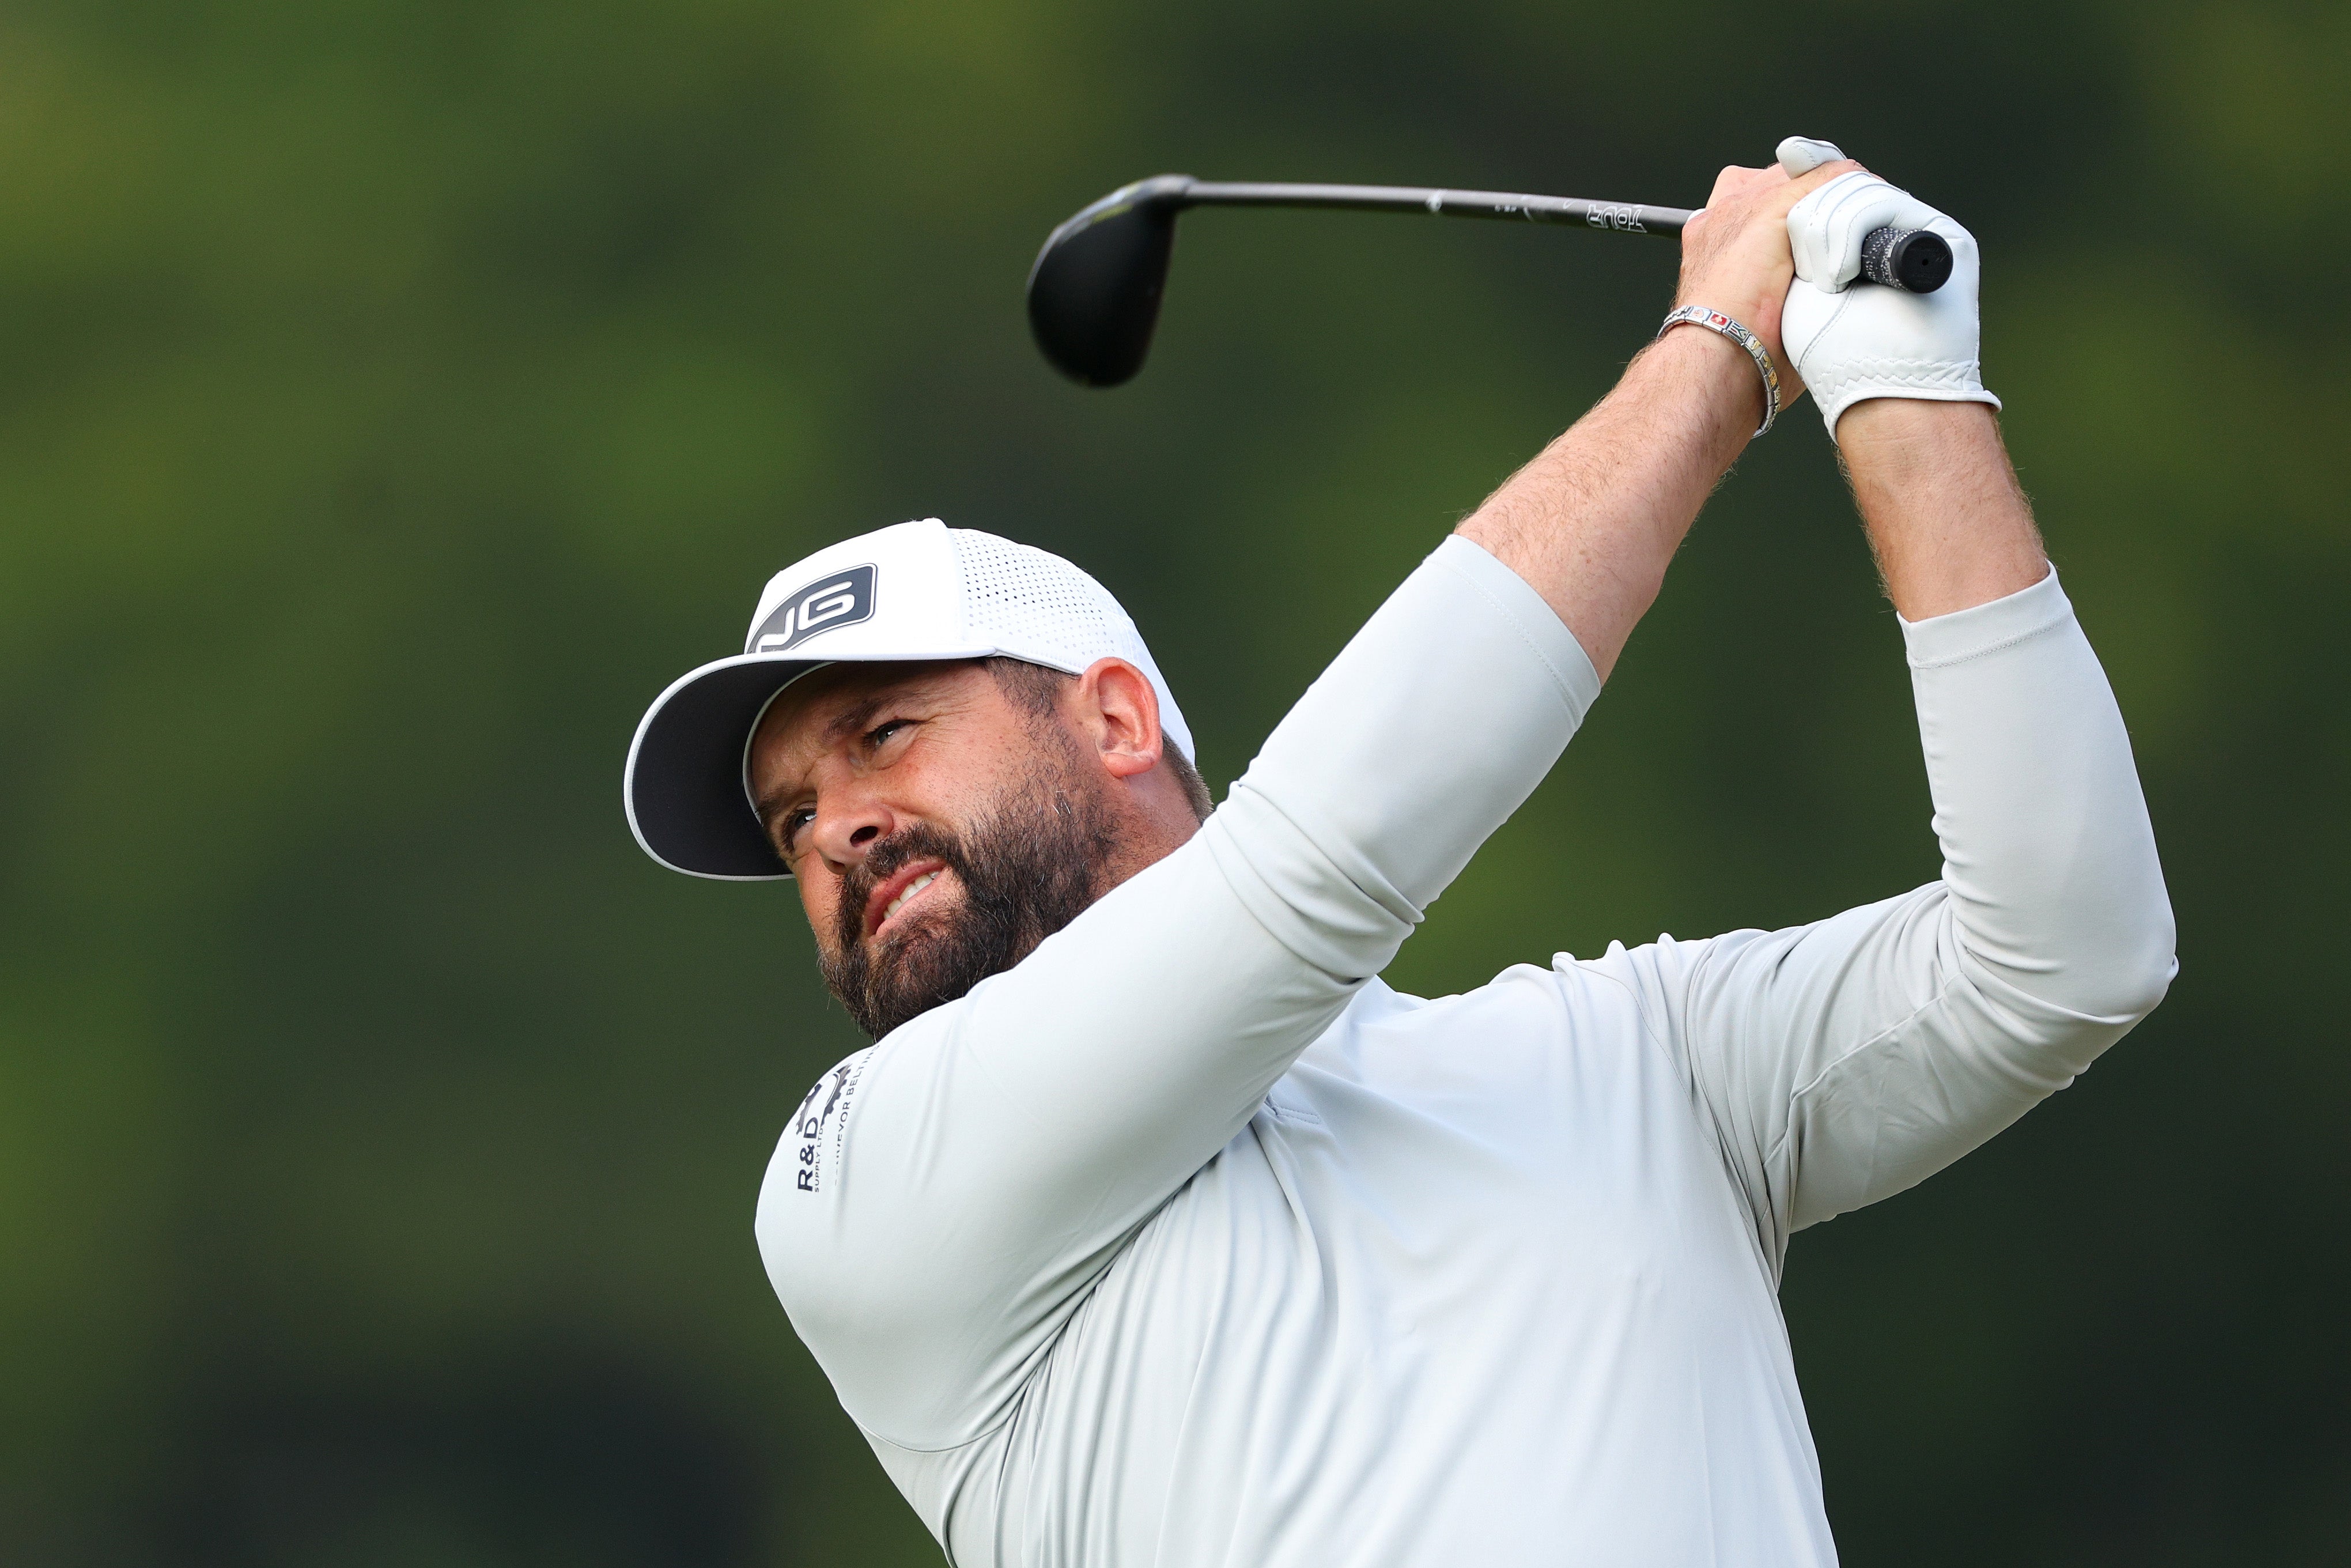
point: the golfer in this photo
(1155, 1229)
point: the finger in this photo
(1804, 184)
(1803, 154)
(1736, 178)
(1825, 228)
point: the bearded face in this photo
(941, 818)
(1033, 859)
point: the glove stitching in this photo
(1821, 337)
(1959, 375)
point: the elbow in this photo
(2109, 968)
(2154, 957)
(2139, 993)
(2130, 978)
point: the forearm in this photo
(2048, 856)
(1592, 522)
(1948, 524)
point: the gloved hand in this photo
(1865, 341)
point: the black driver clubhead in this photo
(1093, 295)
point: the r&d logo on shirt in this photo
(841, 599)
(828, 1103)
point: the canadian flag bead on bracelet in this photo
(1715, 321)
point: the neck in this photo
(1154, 820)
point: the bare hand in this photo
(1735, 254)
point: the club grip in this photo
(1916, 260)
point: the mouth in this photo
(898, 892)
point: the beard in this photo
(1034, 863)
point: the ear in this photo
(1118, 712)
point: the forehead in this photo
(813, 711)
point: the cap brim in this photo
(683, 787)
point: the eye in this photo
(882, 734)
(788, 828)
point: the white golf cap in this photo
(917, 591)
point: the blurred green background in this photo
(398, 395)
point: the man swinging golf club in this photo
(1155, 1229)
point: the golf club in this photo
(1094, 294)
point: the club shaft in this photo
(1620, 217)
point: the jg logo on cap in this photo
(837, 602)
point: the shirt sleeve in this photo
(1843, 1061)
(943, 1201)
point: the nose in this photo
(850, 820)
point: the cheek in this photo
(820, 896)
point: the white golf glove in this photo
(1866, 340)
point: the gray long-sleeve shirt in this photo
(1188, 1241)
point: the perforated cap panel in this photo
(1036, 606)
(1019, 594)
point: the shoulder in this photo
(869, 1114)
(808, 1159)
(801, 1223)
(812, 1138)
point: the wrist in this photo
(1758, 312)
(1725, 366)
(1947, 521)
(1900, 444)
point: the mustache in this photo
(916, 842)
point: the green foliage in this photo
(400, 394)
